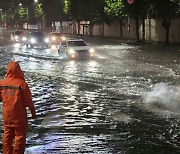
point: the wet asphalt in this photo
(123, 101)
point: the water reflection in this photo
(17, 45)
(71, 67)
(92, 66)
(96, 106)
(66, 143)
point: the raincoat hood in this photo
(14, 71)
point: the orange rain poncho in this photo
(16, 96)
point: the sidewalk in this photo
(104, 40)
(94, 40)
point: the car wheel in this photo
(30, 46)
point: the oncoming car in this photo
(18, 36)
(76, 48)
(37, 39)
(55, 38)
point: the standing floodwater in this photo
(126, 100)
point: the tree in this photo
(54, 10)
(39, 13)
(114, 9)
(137, 10)
(8, 10)
(97, 13)
(86, 10)
(76, 10)
(7, 4)
(20, 16)
(166, 10)
(119, 9)
(22, 13)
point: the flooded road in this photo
(124, 101)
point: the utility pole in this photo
(27, 16)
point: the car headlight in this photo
(71, 51)
(24, 38)
(53, 38)
(91, 50)
(63, 38)
(33, 40)
(46, 40)
(16, 37)
(53, 47)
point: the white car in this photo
(75, 49)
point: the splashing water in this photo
(163, 95)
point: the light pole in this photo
(0, 17)
(27, 14)
(27, 17)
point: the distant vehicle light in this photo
(92, 55)
(63, 38)
(33, 40)
(72, 56)
(54, 38)
(53, 47)
(46, 40)
(91, 50)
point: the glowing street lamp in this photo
(27, 13)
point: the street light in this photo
(0, 17)
(27, 13)
(27, 17)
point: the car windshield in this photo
(18, 33)
(37, 34)
(76, 43)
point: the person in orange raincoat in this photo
(16, 96)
